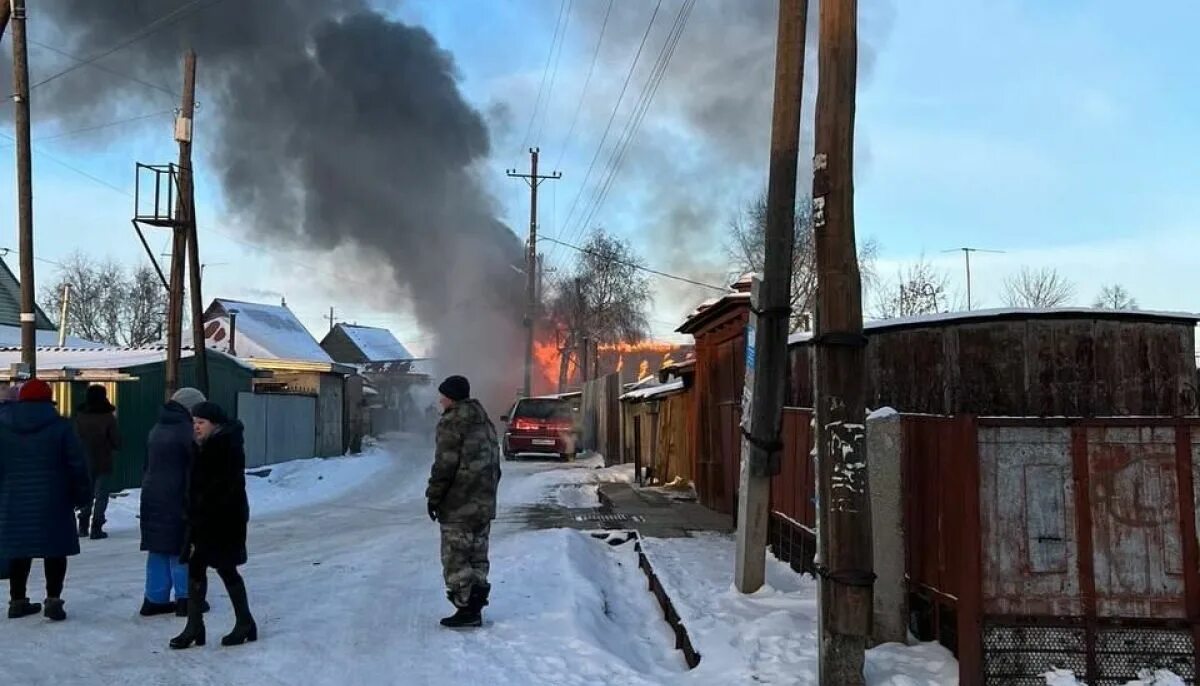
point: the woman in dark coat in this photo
(170, 450)
(43, 478)
(96, 422)
(217, 514)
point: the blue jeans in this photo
(162, 573)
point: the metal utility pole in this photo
(767, 333)
(184, 129)
(179, 228)
(844, 561)
(531, 260)
(967, 256)
(24, 185)
(62, 320)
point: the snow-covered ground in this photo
(345, 581)
(282, 487)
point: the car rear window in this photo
(542, 409)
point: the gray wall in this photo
(278, 427)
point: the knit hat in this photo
(188, 397)
(456, 388)
(210, 411)
(35, 391)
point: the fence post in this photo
(885, 460)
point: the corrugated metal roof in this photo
(376, 344)
(1003, 314)
(10, 336)
(263, 331)
(95, 358)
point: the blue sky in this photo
(1062, 133)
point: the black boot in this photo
(467, 616)
(98, 530)
(22, 608)
(54, 609)
(152, 609)
(83, 526)
(181, 607)
(194, 631)
(245, 629)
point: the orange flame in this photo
(642, 347)
(644, 370)
(546, 360)
(620, 362)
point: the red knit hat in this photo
(35, 391)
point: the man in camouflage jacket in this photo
(462, 498)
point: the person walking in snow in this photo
(96, 422)
(43, 478)
(217, 514)
(462, 498)
(170, 450)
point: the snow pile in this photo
(288, 486)
(882, 413)
(926, 664)
(572, 485)
(1162, 677)
(769, 636)
(563, 588)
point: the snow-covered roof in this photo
(10, 336)
(93, 358)
(377, 345)
(263, 331)
(657, 391)
(1013, 313)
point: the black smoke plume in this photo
(329, 125)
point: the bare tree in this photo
(1038, 288)
(1115, 297)
(919, 288)
(604, 299)
(746, 249)
(109, 303)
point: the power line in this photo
(77, 170)
(103, 68)
(98, 127)
(583, 93)
(575, 117)
(554, 74)
(545, 73)
(643, 106)
(616, 108)
(634, 265)
(167, 20)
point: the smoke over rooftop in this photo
(329, 125)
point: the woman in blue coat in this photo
(170, 450)
(43, 478)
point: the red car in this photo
(539, 427)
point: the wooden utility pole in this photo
(531, 261)
(332, 321)
(766, 337)
(184, 130)
(24, 185)
(844, 562)
(5, 13)
(179, 229)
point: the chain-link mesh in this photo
(1019, 655)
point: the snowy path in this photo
(349, 592)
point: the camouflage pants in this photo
(464, 560)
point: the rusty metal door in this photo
(1090, 551)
